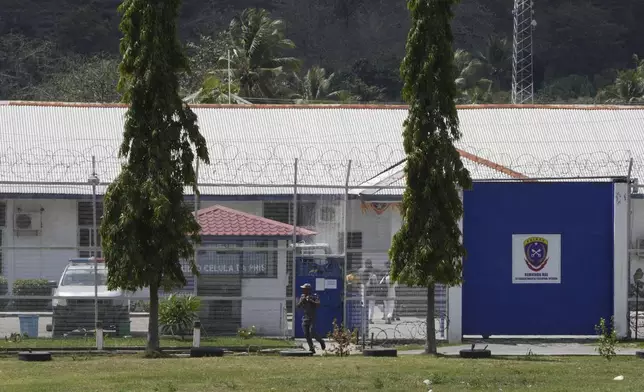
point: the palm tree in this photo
(472, 81)
(628, 87)
(255, 44)
(497, 58)
(314, 86)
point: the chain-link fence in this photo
(53, 282)
(258, 224)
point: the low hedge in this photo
(32, 287)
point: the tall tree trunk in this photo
(430, 343)
(153, 322)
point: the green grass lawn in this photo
(270, 373)
(140, 342)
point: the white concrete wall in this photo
(266, 310)
(637, 232)
(376, 231)
(455, 303)
(620, 259)
(44, 255)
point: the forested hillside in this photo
(579, 46)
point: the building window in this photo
(283, 212)
(3, 214)
(327, 214)
(87, 238)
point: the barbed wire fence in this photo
(293, 175)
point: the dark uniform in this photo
(309, 303)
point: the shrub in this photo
(32, 287)
(343, 338)
(607, 338)
(140, 306)
(246, 333)
(177, 313)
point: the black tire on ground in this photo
(200, 352)
(34, 356)
(476, 353)
(295, 353)
(639, 354)
(380, 352)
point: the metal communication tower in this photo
(522, 81)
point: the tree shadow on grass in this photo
(509, 358)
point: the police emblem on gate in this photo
(536, 253)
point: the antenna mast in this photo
(524, 23)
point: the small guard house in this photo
(232, 264)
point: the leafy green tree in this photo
(497, 59)
(217, 91)
(256, 43)
(84, 79)
(314, 86)
(352, 88)
(628, 87)
(24, 63)
(146, 227)
(204, 57)
(574, 89)
(473, 85)
(428, 250)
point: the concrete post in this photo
(99, 336)
(196, 334)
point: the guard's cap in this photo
(305, 286)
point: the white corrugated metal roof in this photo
(258, 144)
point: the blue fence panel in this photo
(582, 213)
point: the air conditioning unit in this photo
(29, 223)
(639, 247)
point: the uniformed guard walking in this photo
(309, 302)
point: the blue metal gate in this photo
(326, 277)
(580, 217)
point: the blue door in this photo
(327, 281)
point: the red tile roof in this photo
(222, 221)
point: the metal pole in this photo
(294, 263)
(345, 241)
(628, 235)
(196, 202)
(637, 310)
(95, 244)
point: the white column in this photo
(455, 305)
(196, 334)
(620, 259)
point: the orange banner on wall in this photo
(378, 208)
